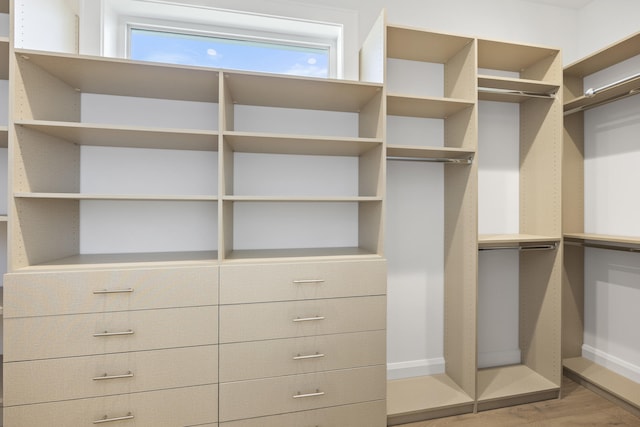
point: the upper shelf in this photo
(498, 55)
(409, 44)
(516, 241)
(299, 92)
(611, 93)
(604, 241)
(128, 78)
(606, 57)
(251, 142)
(425, 107)
(444, 154)
(504, 89)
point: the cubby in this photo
(520, 114)
(319, 147)
(599, 218)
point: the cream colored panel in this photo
(93, 376)
(249, 322)
(272, 358)
(297, 281)
(190, 406)
(248, 399)
(53, 293)
(63, 336)
(369, 414)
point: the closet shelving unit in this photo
(362, 144)
(579, 98)
(49, 132)
(454, 105)
(533, 81)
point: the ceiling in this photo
(570, 4)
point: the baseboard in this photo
(489, 359)
(613, 363)
(415, 368)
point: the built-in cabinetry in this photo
(436, 88)
(174, 225)
(614, 75)
(528, 78)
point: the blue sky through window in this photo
(217, 52)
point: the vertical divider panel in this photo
(225, 170)
(373, 52)
(460, 227)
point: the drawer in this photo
(271, 396)
(273, 358)
(251, 322)
(93, 376)
(190, 406)
(74, 292)
(369, 414)
(297, 281)
(99, 333)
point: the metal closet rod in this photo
(602, 246)
(466, 161)
(603, 102)
(517, 92)
(522, 248)
(591, 92)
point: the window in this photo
(239, 52)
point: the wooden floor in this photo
(578, 407)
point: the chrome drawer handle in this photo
(308, 319)
(113, 291)
(113, 334)
(106, 376)
(106, 419)
(302, 396)
(308, 356)
(308, 281)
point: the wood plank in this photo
(510, 381)
(628, 88)
(418, 45)
(629, 242)
(251, 142)
(417, 397)
(4, 58)
(4, 136)
(126, 136)
(489, 240)
(605, 57)
(504, 89)
(123, 77)
(499, 55)
(429, 152)
(425, 107)
(144, 197)
(327, 254)
(299, 92)
(303, 199)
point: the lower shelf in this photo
(604, 381)
(422, 398)
(513, 385)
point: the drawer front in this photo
(93, 376)
(271, 396)
(190, 406)
(251, 322)
(74, 292)
(34, 338)
(297, 281)
(369, 414)
(273, 358)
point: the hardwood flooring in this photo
(578, 407)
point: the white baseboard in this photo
(611, 362)
(490, 359)
(415, 368)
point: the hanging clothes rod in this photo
(603, 102)
(603, 246)
(591, 92)
(514, 92)
(466, 161)
(522, 248)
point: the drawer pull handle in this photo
(106, 376)
(302, 396)
(113, 334)
(308, 281)
(106, 419)
(308, 319)
(308, 356)
(113, 291)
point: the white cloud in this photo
(212, 52)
